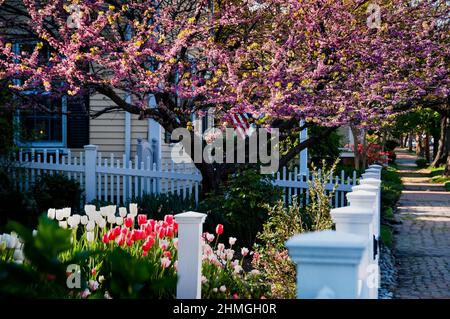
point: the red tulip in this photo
(167, 254)
(169, 231)
(116, 231)
(144, 254)
(142, 219)
(148, 244)
(105, 238)
(129, 242)
(94, 271)
(175, 227)
(168, 219)
(128, 222)
(219, 229)
(162, 233)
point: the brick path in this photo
(422, 240)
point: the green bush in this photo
(57, 191)
(240, 205)
(15, 205)
(391, 189)
(156, 206)
(421, 163)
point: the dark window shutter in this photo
(77, 121)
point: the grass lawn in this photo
(437, 178)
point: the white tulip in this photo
(133, 209)
(34, 232)
(63, 224)
(119, 221)
(101, 223)
(12, 242)
(18, 254)
(59, 214)
(97, 217)
(122, 211)
(51, 213)
(70, 222)
(90, 225)
(111, 219)
(67, 211)
(104, 211)
(76, 219)
(19, 262)
(84, 219)
(112, 209)
(89, 209)
(90, 236)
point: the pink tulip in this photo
(244, 251)
(165, 262)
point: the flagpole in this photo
(304, 153)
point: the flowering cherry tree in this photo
(280, 60)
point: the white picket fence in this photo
(296, 184)
(110, 179)
(117, 180)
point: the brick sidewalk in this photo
(422, 240)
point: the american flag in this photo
(241, 124)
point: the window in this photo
(36, 126)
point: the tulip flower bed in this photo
(128, 250)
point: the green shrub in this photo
(282, 224)
(240, 205)
(15, 204)
(156, 206)
(57, 191)
(391, 189)
(421, 163)
(386, 235)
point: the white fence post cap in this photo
(373, 171)
(90, 147)
(190, 218)
(327, 246)
(376, 166)
(369, 175)
(352, 215)
(370, 181)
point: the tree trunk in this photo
(355, 146)
(427, 147)
(444, 140)
(364, 152)
(410, 142)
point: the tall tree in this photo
(325, 62)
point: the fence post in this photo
(190, 225)
(358, 219)
(90, 174)
(327, 263)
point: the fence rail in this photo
(296, 184)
